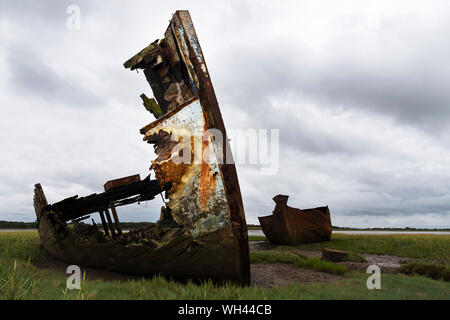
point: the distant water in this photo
(260, 233)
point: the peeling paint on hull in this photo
(197, 197)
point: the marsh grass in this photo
(16, 283)
(256, 238)
(20, 279)
(434, 271)
(418, 246)
(23, 245)
(431, 247)
(356, 257)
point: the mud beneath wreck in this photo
(265, 275)
(268, 275)
(51, 264)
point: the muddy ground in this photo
(387, 263)
(265, 275)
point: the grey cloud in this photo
(409, 84)
(398, 74)
(33, 77)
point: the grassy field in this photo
(20, 279)
(420, 246)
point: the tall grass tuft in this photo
(431, 270)
(17, 284)
(21, 245)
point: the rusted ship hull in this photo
(202, 233)
(291, 226)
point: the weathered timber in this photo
(105, 226)
(291, 226)
(121, 182)
(116, 218)
(74, 207)
(39, 200)
(152, 106)
(147, 55)
(187, 92)
(176, 254)
(110, 223)
(202, 233)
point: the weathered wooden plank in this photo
(121, 182)
(116, 218)
(146, 55)
(105, 226)
(110, 223)
(39, 199)
(75, 207)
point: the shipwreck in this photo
(202, 232)
(292, 226)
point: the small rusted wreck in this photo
(202, 232)
(291, 226)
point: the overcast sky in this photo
(360, 91)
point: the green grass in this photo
(431, 270)
(21, 245)
(355, 257)
(316, 264)
(52, 286)
(20, 279)
(256, 238)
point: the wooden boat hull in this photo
(211, 256)
(207, 236)
(291, 226)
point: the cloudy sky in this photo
(360, 91)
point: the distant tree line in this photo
(17, 225)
